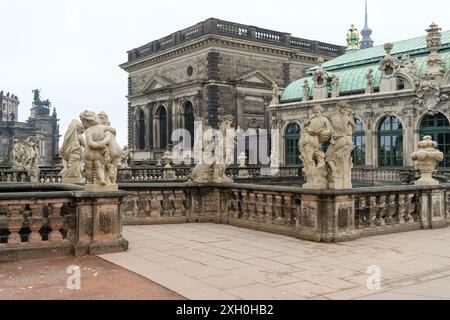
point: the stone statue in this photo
(30, 159)
(333, 169)
(224, 150)
(213, 161)
(339, 153)
(352, 38)
(336, 85)
(275, 94)
(369, 81)
(315, 131)
(17, 154)
(203, 148)
(427, 156)
(37, 102)
(72, 153)
(306, 90)
(125, 159)
(102, 152)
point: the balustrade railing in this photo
(307, 214)
(215, 26)
(42, 220)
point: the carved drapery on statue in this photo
(102, 153)
(72, 153)
(331, 169)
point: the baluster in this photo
(178, 203)
(252, 206)
(373, 210)
(245, 210)
(287, 210)
(278, 209)
(35, 223)
(381, 211)
(148, 200)
(167, 203)
(14, 223)
(135, 211)
(402, 199)
(56, 222)
(156, 205)
(391, 209)
(269, 209)
(260, 206)
(410, 208)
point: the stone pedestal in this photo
(98, 224)
(327, 218)
(320, 93)
(432, 209)
(388, 84)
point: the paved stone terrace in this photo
(209, 261)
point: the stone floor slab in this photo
(209, 261)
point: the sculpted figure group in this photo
(97, 152)
(330, 169)
(25, 156)
(213, 150)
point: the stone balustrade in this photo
(41, 220)
(181, 173)
(315, 215)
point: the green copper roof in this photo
(352, 67)
(415, 46)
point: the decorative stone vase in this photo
(427, 156)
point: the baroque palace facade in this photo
(210, 70)
(399, 93)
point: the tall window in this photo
(189, 120)
(438, 127)
(162, 115)
(141, 130)
(359, 140)
(292, 138)
(390, 148)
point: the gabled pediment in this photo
(157, 83)
(256, 77)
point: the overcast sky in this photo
(71, 49)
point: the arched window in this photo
(141, 130)
(162, 116)
(359, 140)
(390, 143)
(189, 121)
(291, 149)
(438, 127)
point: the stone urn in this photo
(427, 156)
